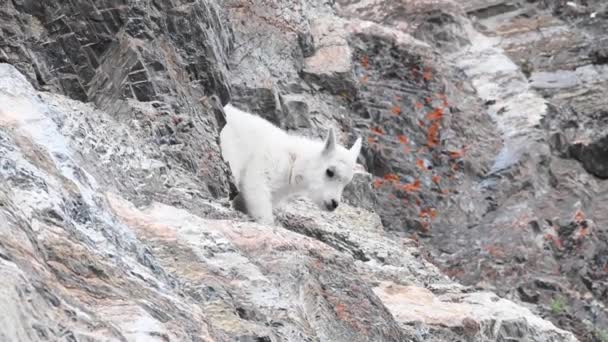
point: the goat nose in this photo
(334, 203)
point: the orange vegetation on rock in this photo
(436, 179)
(377, 130)
(365, 62)
(377, 183)
(432, 136)
(418, 105)
(582, 233)
(456, 154)
(396, 110)
(427, 74)
(436, 114)
(420, 164)
(556, 240)
(430, 213)
(341, 312)
(403, 139)
(391, 177)
(579, 217)
(412, 187)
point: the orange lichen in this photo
(391, 177)
(427, 74)
(432, 137)
(420, 164)
(436, 114)
(377, 183)
(579, 217)
(456, 154)
(582, 233)
(430, 213)
(365, 62)
(412, 187)
(377, 130)
(396, 110)
(341, 312)
(403, 139)
(556, 240)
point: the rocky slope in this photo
(484, 140)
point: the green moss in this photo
(558, 305)
(601, 335)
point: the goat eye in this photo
(329, 173)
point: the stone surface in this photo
(474, 315)
(81, 260)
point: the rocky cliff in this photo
(484, 163)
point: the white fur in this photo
(270, 165)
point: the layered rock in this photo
(471, 143)
(81, 261)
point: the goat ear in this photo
(356, 149)
(330, 142)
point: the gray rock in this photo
(77, 253)
(594, 156)
(359, 192)
(297, 112)
(331, 66)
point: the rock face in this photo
(115, 52)
(484, 161)
(80, 261)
